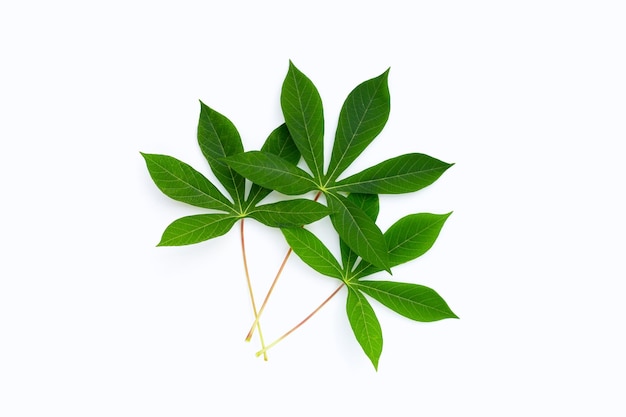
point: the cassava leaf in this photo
(413, 235)
(358, 231)
(198, 228)
(313, 252)
(271, 171)
(408, 238)
(364, 248)
(402, 174)
(365, 325)
(302, 108)
(279, 143)
(181, 182)
(218, 138)
(369, 203)
(289, 213)
(416, 302)
(362, 118)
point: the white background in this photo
(527, 98)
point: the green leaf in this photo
(416, 302)
(289, 213)
(402, 174)
(271, 171)
(313, 252)
(369, 203)
(362, 118)
(408, 239)
(218, 138)
(279, 143)
(413, 235)
(181, 182)
(302, 108)
(194, 229)
(365, 325)
(358, 231)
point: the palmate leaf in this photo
(362, 118)
(302, 108)
(181, 182)
(364, 248)
(416, 302)
(218, 138)
(289, 213)
(272, 171)
(402, 174)
(365, 325)
(198, 228)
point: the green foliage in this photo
(290, 213)
(407, 239)
(304, 116)
(365, 325)
(362, 118)
(359, 231)
(273, 172)
(218, 138)
(181, 182)
(399, 175)
(353, 202)
(414, 301)
(194, 229)
(313, 252)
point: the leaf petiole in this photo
(248, 281)
(269, 292)
(275, 342)
(267, 296)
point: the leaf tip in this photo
(145, 156)
(451, 314)
(293, 68)
(163, 242)
(203, 107)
